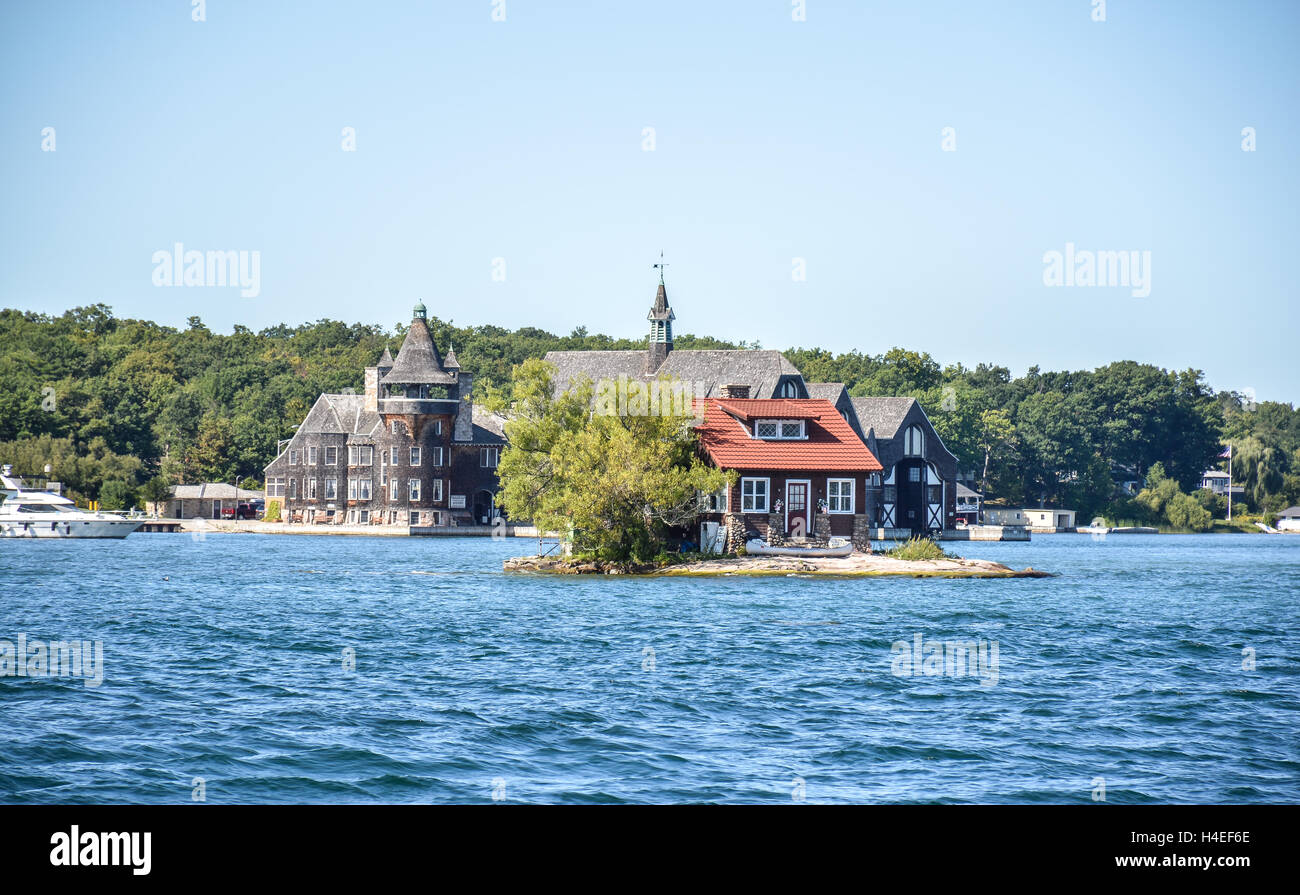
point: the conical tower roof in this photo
(418, 362)
(451, 363)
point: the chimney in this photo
(463, 429)
(372, 389)
(735, 391)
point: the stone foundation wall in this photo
(862, 532)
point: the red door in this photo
(796, 510)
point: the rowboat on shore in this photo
(834, 547)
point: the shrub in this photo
(272, 513)
(918, 548)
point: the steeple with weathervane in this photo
(661, 318)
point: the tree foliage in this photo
(616, 484)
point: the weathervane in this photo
(660, 267)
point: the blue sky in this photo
(774, 140)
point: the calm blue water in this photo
(223, 660)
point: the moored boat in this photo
(834, 547)
(27, 513)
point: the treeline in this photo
(1075, 438)
(115, 403)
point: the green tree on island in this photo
(614, 483)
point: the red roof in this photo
(776, 408)
(831, 445)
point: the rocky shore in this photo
(857, 565)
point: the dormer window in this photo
(788, 389)
(779, 429)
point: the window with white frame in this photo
(397, 427)
(715, 502)
(437, 427)
(415, 517)
(363, 489)
(414, 490)
(754, 495)
(489, 457)
(914, 442)
(779, 429)
(839, 495)
(361, 455)
(293, 489)
(437, 490)
(331, 456)
(435, 455)
(331, 488)
(788, 389)
(394, 488)
(311, 489)
(415, 456)
(313, 455)
(295, 456)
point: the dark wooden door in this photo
(797, 521)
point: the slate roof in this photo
(213, 491)
(884, 415)
(825, 391)
(761, 370)
(489, 428)
(831, 445)
(341, 414)
(418, 362)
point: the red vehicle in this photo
(244, 511)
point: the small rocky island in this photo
(856, 565)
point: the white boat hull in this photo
(70, 528)
(762, 549)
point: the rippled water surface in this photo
(224, 660)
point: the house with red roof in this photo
(802, 470)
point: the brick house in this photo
(412, 450)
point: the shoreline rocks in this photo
(857, 565)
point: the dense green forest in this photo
(117, 405)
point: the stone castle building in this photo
(412, 450)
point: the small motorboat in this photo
(834, 547)
(1093, 529)
(1135, 530)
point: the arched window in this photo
(914, 442)
(788, 389)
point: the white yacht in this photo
(46, 514)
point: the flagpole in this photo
(1229, 481)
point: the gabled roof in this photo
(1292, 513)
(213, 491)
(340, 415)
(884, 415)
(761, 370)
(825, 391)
(963, 491)
(418, 362)
(831, 445)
